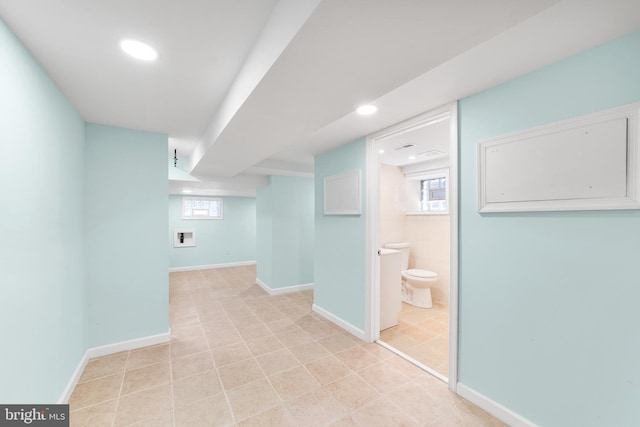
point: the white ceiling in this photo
(421, 143)
(248, 88)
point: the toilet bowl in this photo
(417, 287)
(416, 283)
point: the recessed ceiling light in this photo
(412, 157)
(365, 110)
(139, 50)
(381, 151)
(187, 191)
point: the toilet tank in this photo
(404, 248)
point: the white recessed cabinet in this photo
(586, 163)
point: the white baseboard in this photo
(338, 321)
(285, 289)
(503, 414)
(210, 266)
(105, 350)
(66, 393)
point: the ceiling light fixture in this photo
(365, 110)
(139, 50)
(187, 191)
(412, 157)
(381, 151)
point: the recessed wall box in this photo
(183, 237)
(589, 162)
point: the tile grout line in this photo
(124, 373)
(295, 315)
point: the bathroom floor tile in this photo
(308, 352)
(328, 369)
(357, 358)
(276, 416)
(146, 377)
(231, 354)
(149, 355)
(191, 389)
(383, 413)
(293, 383)
(142, 405)
(316, 408)
(353, 392)
(99, 415)
(239, 356)
(240, 373)
(277, 361)
(253, 398)
(213, 411)
(189, 365)
(96, 391)
(103, 366)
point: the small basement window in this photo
(202, 208)
(433, 194)
(428, 192)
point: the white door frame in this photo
(372, 312)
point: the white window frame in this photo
(185, 199)
(426, 175)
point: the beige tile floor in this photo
(423, 334)
(239, 357)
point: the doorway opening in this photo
(412, 212)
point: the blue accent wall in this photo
(126, 222)
(285, 234)
(42, 295)
(549, 300)
(220, 241)
(340, 263)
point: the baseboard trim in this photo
(505, 415)
(105, 350)
(66, 393)
(285, 289)
(359, 333)
(210, 266)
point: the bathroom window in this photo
(428, 192)
(433, 194)
(201, 208)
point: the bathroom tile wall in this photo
(427, 234)
(429, 239)
(392, 205)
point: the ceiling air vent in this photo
(403, 147)
(430, 154)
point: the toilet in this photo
(416, 283)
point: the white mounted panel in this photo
(342, 194)
(183, 238)
(586, 163)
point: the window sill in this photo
(427, 213)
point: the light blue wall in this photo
(235, 234)
(340, 263)
(125, 233)
(549, 301)
(42, 297)
(285, 235)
